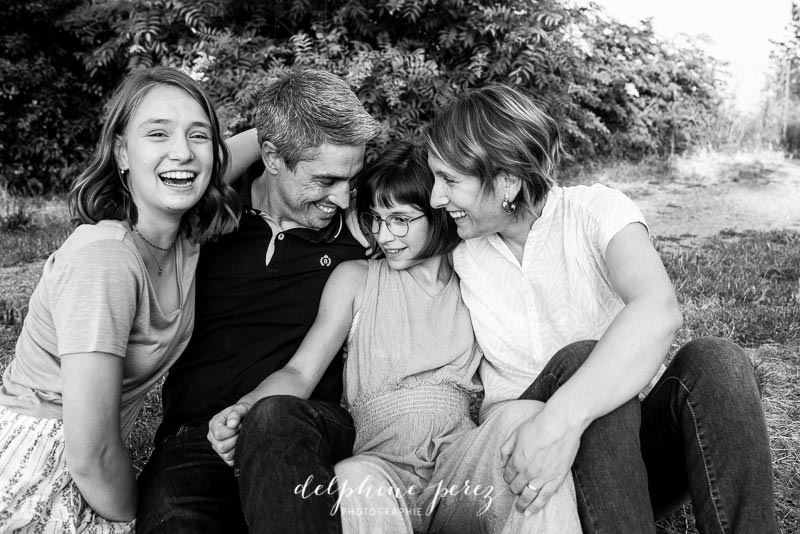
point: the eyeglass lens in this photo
(398, 226)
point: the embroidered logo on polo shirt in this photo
(325, 261)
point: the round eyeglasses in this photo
(396, 224)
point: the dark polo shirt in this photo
(256, 299)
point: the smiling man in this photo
(258, 289)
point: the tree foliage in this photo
(782, 106)
(616, 90)
(49, 106)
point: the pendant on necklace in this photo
(160, 270)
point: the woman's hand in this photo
(537, 457)
(223, 430)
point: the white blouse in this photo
(560, 293)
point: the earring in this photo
(122, 175)
(509, 206)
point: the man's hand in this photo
(537, 458)
(223, 430)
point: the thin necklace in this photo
(162, 249)
(152, 254)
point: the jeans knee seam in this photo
(579, 488)
(329, 419)
(706, 466)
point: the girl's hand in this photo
(223, 431)
(537, 457)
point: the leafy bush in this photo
(18, 221)
(616, 90)
(49, 106)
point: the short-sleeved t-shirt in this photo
(95, 295)
(523, 313)
(258, 290)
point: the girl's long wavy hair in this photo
(101, 191)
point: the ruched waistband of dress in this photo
(432, 400)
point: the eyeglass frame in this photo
(381, 221)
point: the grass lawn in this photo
(743, 286)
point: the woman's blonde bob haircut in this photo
(494, 130)
(102, 192)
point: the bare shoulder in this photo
(347, 282)
(352, 272)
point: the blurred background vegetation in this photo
(619, 91)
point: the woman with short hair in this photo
(572, 306)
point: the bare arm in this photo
(244, 150)
(627, 356)
(326, 336)
(542, 450)
(98, 460)
(303, 372)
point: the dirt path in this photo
(748, 193)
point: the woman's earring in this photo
(509, 206)
(122, 178)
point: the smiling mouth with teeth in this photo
(326, 209)
(178, 178)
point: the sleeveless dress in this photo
(420, 463)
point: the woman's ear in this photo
(272, 160)
(507, 186)
(120, 154)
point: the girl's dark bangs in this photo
(397, 187)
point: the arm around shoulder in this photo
(244, 151)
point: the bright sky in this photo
(739, 32)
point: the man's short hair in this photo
(304, 108)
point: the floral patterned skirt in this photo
(37, 493)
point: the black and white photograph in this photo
(399, 266)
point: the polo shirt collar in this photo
(326, 235)
(329, 234)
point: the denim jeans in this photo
(285, 457)
(699, 433)
(186, 488)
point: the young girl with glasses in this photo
(420, 463)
